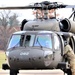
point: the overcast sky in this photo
(27, 14)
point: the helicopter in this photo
(40, 43)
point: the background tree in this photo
(8, 25)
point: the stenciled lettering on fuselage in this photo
(24, 53)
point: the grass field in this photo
(2, 58)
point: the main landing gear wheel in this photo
(69, 72)
(13, 72)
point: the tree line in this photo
(8, 24)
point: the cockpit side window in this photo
(56, 43)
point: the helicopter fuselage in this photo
(36, 47)
(34, 50)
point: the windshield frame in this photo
(36, 34)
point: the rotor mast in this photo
(44, 12)
(45, 8)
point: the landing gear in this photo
(68, 71)
(63, 66)
(13, 72)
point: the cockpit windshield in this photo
(43, 41)
(31, 40)
(16, 41)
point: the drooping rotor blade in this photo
(23, 7)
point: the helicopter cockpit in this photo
(25, 39)
(30, 40)
(32, 43)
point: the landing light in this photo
(48, 54)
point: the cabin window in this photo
(16, 41)
(43, 41)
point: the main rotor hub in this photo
(45, 9)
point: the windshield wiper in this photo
(39, 42)
(16, 45)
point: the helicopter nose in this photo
(48, 57)
(30, 58)
(41, 58)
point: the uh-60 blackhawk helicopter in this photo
(40, 43)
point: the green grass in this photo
(2, 58)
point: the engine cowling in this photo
(51, 25)
(67, 25)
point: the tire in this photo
(69, 72)
(13, 72)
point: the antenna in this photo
(73, 14)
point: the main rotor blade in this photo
(39, 7)
(69, 6)
(18, 7)
(60, 6)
